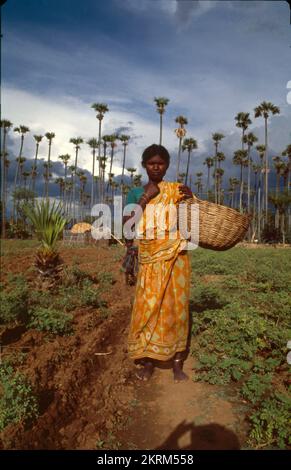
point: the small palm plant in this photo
(48, 223)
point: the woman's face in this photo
(156, 168)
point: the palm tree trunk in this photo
(3, 183)
(241, 189)
(35, 166)
(65, 189)
(111, 161)
(99, 158)
(249, 179)
(215, 168)
(277, 193)
(48, 170)
(187, 170)
(74, 186)
(288, 190)
(266, 170)
(179, 158)
(16, 172)
(283, 226)
(208, 178)
(122, 174)
(93, 173)
(161, 127)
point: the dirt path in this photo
(188, 415)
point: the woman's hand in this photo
(185, 191)
(151, 190)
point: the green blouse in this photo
(134, 195)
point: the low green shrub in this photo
(13, 305)
(51, 320)
(18, 402)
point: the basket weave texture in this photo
(220, 227)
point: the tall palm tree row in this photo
(253, 194)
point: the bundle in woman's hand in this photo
(130, 265)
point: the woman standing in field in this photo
(160, 316)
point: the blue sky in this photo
(212, 59)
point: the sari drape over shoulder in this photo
(160, 315)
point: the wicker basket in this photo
(220, 227)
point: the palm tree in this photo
(61, 183)
(198, 183)
(279, 166)
(38, 139)
(5, 125)
(216, 137)
(112, 139)
(209, 161)
(48, 222)
(281, 203)
(264, 110)
(249, 139)
(106, 142)
(96, 182)
(131, 171)
(65, 159)
(50, 136)
(161, 104)
(189, 144)
(243, 121)
(124, 139)
(180, 133)
(137, 180)
(220, 158)
(76, 141)
(239, 158)
(287, 152)
(25, 175)
(72, 169)
(21, 162)
(216, 175)
(46, 175)
(100, 109)
(22, 130)
(82, 180)
(233, 182)
(93, 144)
(256, 169)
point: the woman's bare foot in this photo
(179, 375)
(146, 372)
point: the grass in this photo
(241, 325)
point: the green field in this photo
(241, 305)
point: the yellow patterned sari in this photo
(160, 316)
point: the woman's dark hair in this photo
(153, 150)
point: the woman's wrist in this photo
(145, 197)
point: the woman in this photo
(160, 316)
